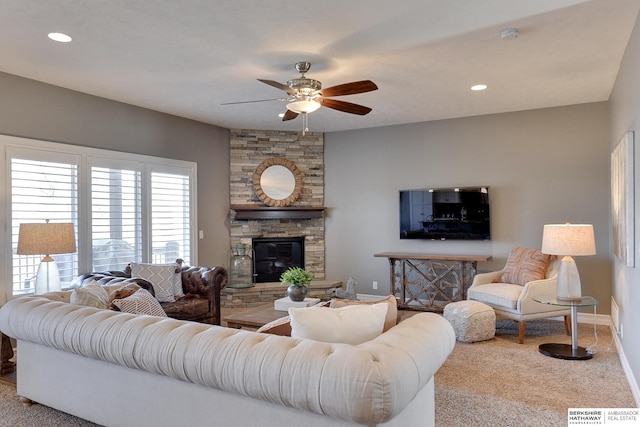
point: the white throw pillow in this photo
(353, 324)
(140, 302)
(163, 277)
(93, 295)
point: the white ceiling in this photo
(187, 57)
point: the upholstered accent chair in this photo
(511, 291)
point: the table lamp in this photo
(46, 239)
(568, 240)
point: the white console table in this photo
(429, 282)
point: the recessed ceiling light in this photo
(60, 37)
(509, 33)
(478, 87)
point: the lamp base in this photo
(47, 278)
(564, 351)
(569, 287)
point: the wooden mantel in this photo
(247, 212)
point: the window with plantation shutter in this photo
(124, 208)
(41, 190)
(116, 218)
(170, 217)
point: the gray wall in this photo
(625, 116)
(40, 111)
(543, 166)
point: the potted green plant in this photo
(298, 280)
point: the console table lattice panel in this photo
(429, 282)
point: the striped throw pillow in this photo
(525, 265)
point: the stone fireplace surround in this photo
(248, 149)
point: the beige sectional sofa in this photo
(121, 369)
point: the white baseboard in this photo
(600, 319)
(626, 367)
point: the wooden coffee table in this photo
(253, 317)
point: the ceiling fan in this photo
(305, 95)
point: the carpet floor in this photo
(491, 383)
(503, 383)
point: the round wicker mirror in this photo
(277, 182)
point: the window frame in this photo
(86, 157)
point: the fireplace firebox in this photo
(274, 255)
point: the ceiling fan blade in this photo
(289, 115)
(346, 107)
(350, 88)
(257, 100)
(276, 85)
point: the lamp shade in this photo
(568, 239)
(46, 238)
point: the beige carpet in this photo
(492, 383)
(503, 383)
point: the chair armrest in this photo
(534, 289)
(208, 283)
(537, 288)
(485, 278)
(200, 280)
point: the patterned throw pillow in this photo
(93, 295)
(141, 302)
(525, 265)
(163, 277)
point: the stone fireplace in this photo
(248, 149)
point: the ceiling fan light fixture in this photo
(303, 106)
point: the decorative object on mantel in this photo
(277, 182)
(241, 268)
(298, 280)
(350, 292)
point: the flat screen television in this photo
(445, 214)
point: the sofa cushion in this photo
(525, 265)
(164, 278)
(353, 324)
(92, 295)
(141, 302)
(392, 313)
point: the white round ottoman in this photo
(471, 320)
